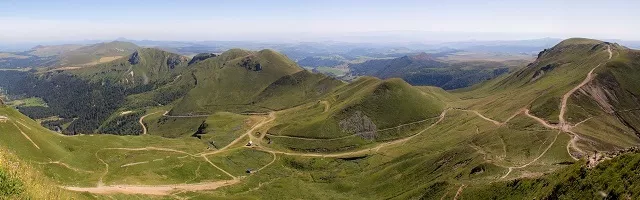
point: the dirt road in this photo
(153, 189)
(144, 128)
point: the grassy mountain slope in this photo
(144, 67)
(354, 115)
(295, 89)
(231, 81)
(369, 139)
(604, 106)
(613, 179)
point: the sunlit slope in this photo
(90, 160)
(146, 67)
(365, 111)
(295, 89)
(582, 86)
(232, 81)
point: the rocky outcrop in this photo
(201, 57)
(135, 58)
(360, 124)
(175, 60)
(251, 63)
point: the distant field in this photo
(29, 102)
(10, 55)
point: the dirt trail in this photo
(534, 160)
(154, 189)
(214, 165)
(151, 149)
(349, 136)
(497, 123)
(539, 120)
(144, 128)
(275, 157)
(65, 165)
(563, 107)
(360, 152)
(459, 192)
(25, 135)
(272, 117)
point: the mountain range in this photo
(254, 124)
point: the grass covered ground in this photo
(369, 139)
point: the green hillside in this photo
(231, 81)
(254, 125)
(356, 114)
(613, 179)
(143, 67)
(602, 104)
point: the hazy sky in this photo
(49, 20)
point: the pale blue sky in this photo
(47, 20)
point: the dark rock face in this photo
(201, 57)
(173, 61)
(251, 64)
(135, 58)
(542, 52)
(359, 123)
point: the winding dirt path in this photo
(563, 107)
(144, 128)
(359, 152)
(275, 157)
(539, 120)
(270, 118)
(497, 123)
(534, 160)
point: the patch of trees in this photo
(123, 125)
(453, 78)
(68, 97)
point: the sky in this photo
(306, 20)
